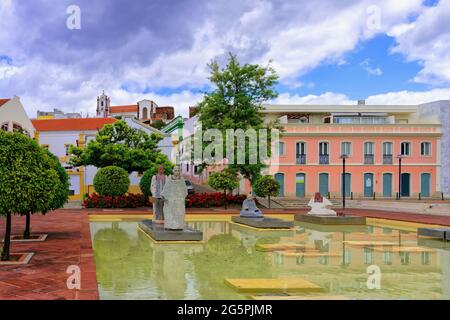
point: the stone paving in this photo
(45, 277)
(69, 243)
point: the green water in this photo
(130, 266)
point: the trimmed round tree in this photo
(146, 179)
(111, 181)
(266, 186)
(223, 181)
(28, 182)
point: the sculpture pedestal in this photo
(158, 233)
(264, 223)
(331, 220)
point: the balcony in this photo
(300, 158)
(369, 159)
(388, 159)
(324, 159)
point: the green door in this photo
(387, 185)
(406, 184)
(368, 184)
(323, 184)
(300, 185)
(425, 182)
(280, 178)
(348, 184)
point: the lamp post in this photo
(399, 157)
(343, 157)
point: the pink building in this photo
(372, 138)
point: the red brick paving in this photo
(44, 278)
(69, 243)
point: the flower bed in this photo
(198, 200)
(127, 201)
(207, 200)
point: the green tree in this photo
(266, 186)
(111, 181)
(235, 103)
(224, 180)
(119, 145)
(61, 195)
(146, 179)
(28, 182)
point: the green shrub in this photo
(111, 181)
(224, 181)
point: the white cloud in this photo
(325, 98)
(427, 40)
(370, 71)
(409, 97)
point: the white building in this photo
(59, 134)
(13, 116)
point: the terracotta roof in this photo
(83, 124)
(3, 101)
(120, 109)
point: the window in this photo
(346, 148)
(300, 148)
(281, 149)
(369, 148)
(5, 126)
(388, 151)
(368, 255)
(405, 149)
(324, 151)
(300, 155)
(425, 149)
(387, 257)
(387, 148)
(323, 148)
(369, 153)
(425, 258)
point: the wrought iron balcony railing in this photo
(324, 159)
(388, 158)
(300, 158)
(369, 159)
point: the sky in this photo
(325, 51)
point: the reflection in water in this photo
(131, 266)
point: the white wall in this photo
(13, 111)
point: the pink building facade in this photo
(371, 137)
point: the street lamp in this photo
(399, 157)
(343, 157)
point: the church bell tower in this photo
(103, 106)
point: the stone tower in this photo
(103, 106)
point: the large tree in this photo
(119, 145)
(235, 103)
(28, 182)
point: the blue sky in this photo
(324, 51)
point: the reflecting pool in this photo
(131, 266)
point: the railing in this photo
(388, 159)
(300, 158)
(369, 159)
(324, 159)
